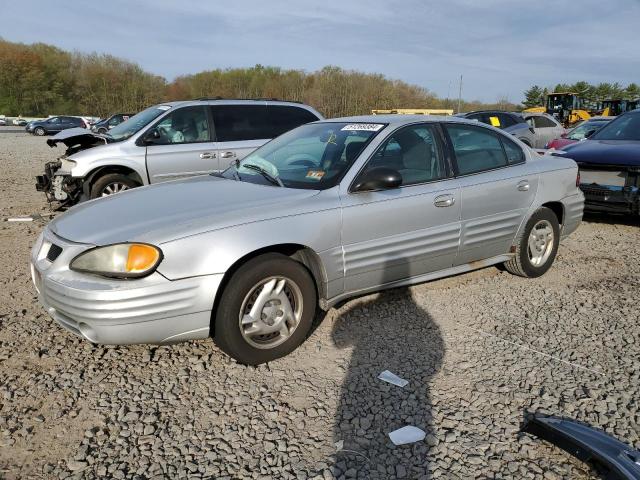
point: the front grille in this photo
(54, 252)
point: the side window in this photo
(184, 125)
(414, 152)
(114, 120)
(54, 120)
(475, 148)
(283, 118)
(543, 122)
(241, 122)
(513, 151)
(506, 120)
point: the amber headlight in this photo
(123, 260)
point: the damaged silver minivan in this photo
(165, 142)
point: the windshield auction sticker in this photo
(366, 127)
(315, 174)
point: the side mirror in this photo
(151, 137)
(380, 178)
(589, 133)
(564, 135)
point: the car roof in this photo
(234, 101)
(490, 111)
(400, 119)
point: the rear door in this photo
(240, 129)
(497, 188)
(184, 147)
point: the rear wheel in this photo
(39, 131)
(537, 246)
(111, 184)
(266, 309)
(102, 131)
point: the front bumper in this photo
(59, 186)
(151, 310)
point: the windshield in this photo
(625, 127)
(581, 130)
(137, 122)
(314, 156)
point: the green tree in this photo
(533, 97)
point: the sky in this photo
(500, 47)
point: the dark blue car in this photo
(609, 164)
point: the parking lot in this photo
(478, 351)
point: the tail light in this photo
(578, 179)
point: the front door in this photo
(184, 147)
(404, 232)
(497, 188)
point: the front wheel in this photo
(266, 309)
(537, 246)
(111, 184)
(39, 131)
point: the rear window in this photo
(241, 122)
(543, 122)
(283, 118)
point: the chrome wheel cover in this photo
(114, 187)
(270, 312)
(540, 245)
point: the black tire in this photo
(102, 131)
(526, 142)
(227, 329)
(109, 181)
(521, 263)
(39, 131)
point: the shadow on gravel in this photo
(612, 219)
(392, 333)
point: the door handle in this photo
(523, 186)
(444, 201)
(227, 155)
(207, 155)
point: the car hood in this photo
(77, 139)
(171, 210)
(605, 152)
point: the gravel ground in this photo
(478, 350)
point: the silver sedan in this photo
(331, 210)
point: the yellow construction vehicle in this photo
(414, 111)
(567, 107)
(613, 108)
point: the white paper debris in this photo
(20, 219)
(339, 445)
(408, 434)
(392, 378)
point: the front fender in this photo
(217, 251)
(86, 170)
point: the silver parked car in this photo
(545, 127)
(328, 211)
(165, 142)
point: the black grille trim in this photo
(54, 252)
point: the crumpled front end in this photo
(610, 188)
(57, 183)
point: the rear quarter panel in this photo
(557, 183)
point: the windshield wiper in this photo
(273, 179)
